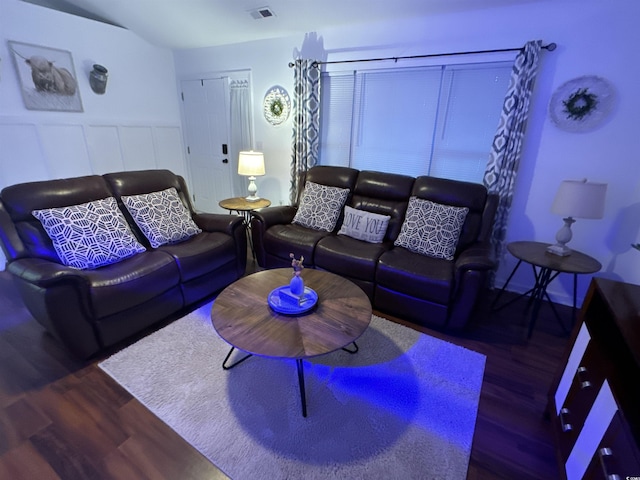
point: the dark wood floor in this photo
(63, 418)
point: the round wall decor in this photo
(276, 105)
(581, 104)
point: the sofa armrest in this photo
(472, 268)
(261, 221)
(478, 256)
(58, 298)
(278, 215)
(218, 222)
(232, 225)
(45, 273)
(10, 241)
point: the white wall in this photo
(135, 125)
(593, 37)
(268, 63)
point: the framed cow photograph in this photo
(47, 78)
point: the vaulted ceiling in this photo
(180, 24)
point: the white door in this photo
(206, 114)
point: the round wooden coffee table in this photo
(243, 318)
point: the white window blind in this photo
(336, 108)
(436, 121)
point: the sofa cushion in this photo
(89, 235)
(416, 275)
(161, 216)
(431, 229)
(349, 257)
(320, 206)
(362, 225)
(202, 254)
(281, 240)
(384, 194)
(131, 283)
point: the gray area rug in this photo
(403, 407)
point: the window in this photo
(431, 120)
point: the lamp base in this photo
(253, 190)
(562, 238)
(560, 250)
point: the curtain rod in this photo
(550, 47)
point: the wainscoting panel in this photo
(137, 147)
(169, 149)
(103, 143)
(43, 151)
(21, 158)
(65, 150)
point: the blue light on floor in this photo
(426, 392)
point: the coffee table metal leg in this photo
(303, 396)
(228, 367)
(355, 350)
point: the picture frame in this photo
(47, 77)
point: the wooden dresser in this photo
(594, 401)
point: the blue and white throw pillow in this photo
(320, 206)
(363, 225)
(431, 229)
(89, 235)
(161, 216)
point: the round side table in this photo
(546, 267)
(243, 207)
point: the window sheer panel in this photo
(394, 118)
(472, 96)
(336, 107)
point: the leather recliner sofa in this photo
(89, 310)
(433, 292)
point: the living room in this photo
(142, 109)
(142, 104)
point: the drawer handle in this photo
(583, 383)
(603, 453)
(566, 427)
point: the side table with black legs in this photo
(243, 207)
(546, 267)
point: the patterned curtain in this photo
(306, 121)
(504, 159)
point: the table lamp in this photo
(251, 164)
(576, 199)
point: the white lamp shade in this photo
(251, 163)
(580, 199)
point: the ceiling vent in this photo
(262, 12)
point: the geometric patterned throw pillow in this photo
(89, 235)
(320, 206)
(161, 216)
(431, 229)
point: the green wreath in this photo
(277, 107)
(580, 104)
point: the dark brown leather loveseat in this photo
(89, 310)
(425, 290)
